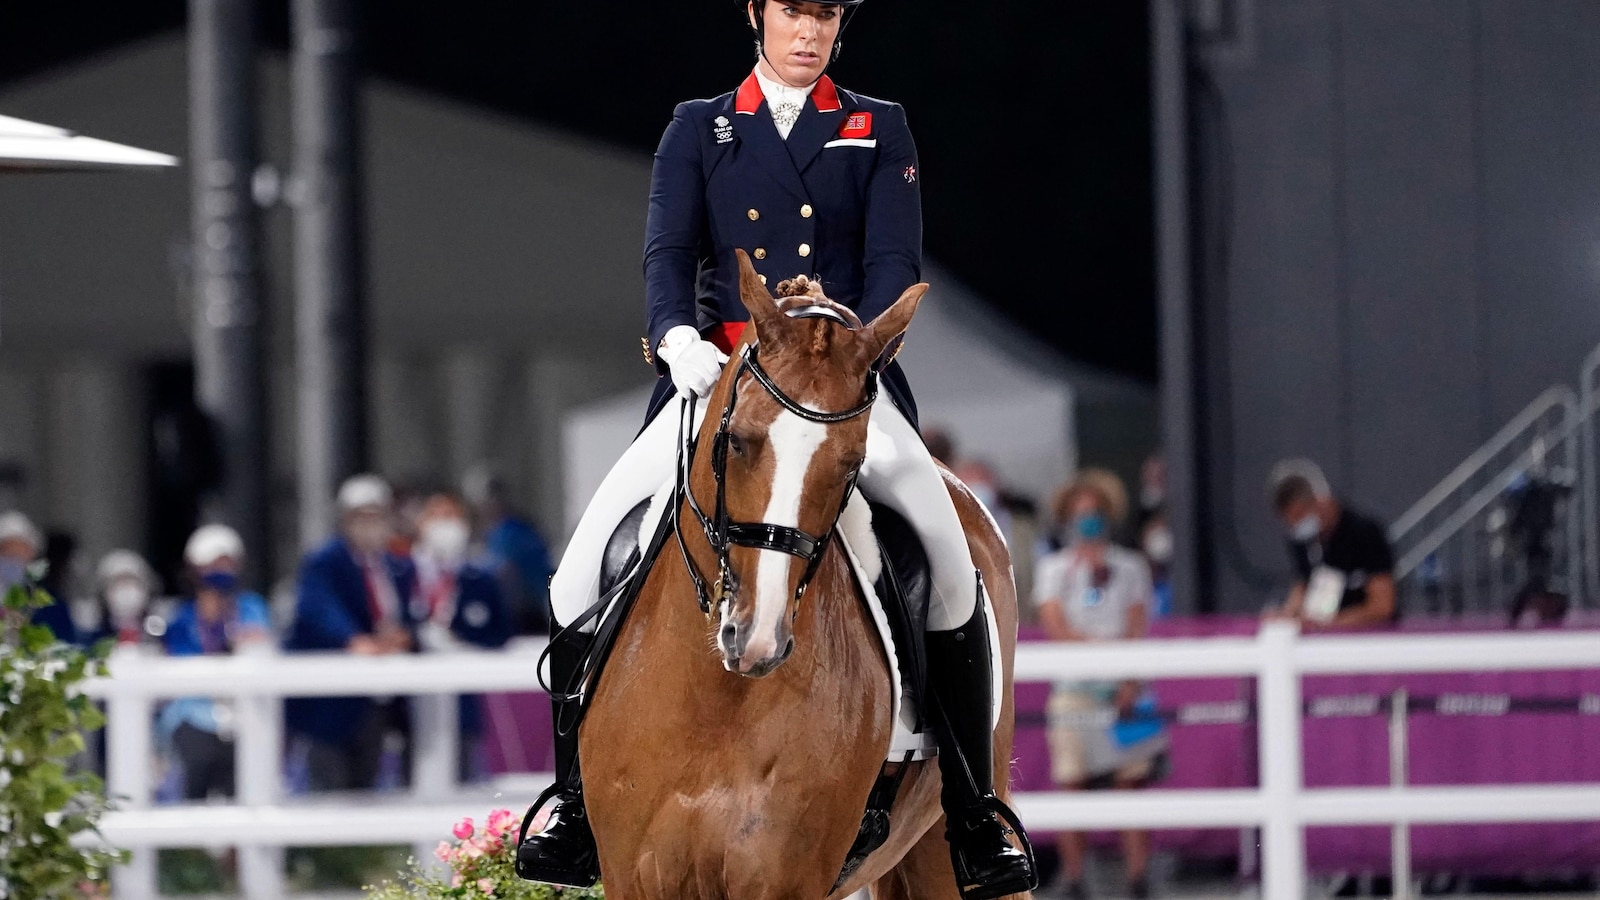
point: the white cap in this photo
(123, 563)
(14, 525)
(210, 543)
(364, 492)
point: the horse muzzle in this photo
(753, 657)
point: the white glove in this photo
(695, 363)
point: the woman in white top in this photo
(1094, 590)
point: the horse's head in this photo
(788, 432)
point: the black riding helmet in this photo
(848, 11)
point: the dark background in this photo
(1032, 118)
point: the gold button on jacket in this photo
(754, 214)
(761, 253)
(805, 211)
(805, 249)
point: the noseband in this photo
(723, 533)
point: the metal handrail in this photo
(1476, 504)
(1555, 396)
(1588, 399)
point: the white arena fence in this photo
(262, 820)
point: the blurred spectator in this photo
(940, 445)
(125, 586)
(985, 485)
(1152, 487)
(1155, 539)
(20, 543)
(457, 602)
(59, 582)
(1154, 535)
(516, 552)
(352, 595)
(1101, 734)
(407, 504)
(1343, 564)
(220, 617)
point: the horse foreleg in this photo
(924, 873)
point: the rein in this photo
(721, 532)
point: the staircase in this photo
(1459, 549)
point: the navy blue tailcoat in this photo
(839, 202)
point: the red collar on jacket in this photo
(749, 98)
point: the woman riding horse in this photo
(806, 178)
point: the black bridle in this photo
(721, 532)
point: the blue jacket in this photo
(184, 637)
(518, 553)
(330, 609)
(838, 201)
(481, 619)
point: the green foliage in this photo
(313, 869)
(187, 871)
(45, 803)
(480, 865)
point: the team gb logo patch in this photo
(857, 125)
(723, 130)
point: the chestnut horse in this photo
(730, 758)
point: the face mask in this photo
(1158, 545)
(221, 582)
(126, 601)
(1091, 527)
(369, 536)
(446, 539)
(1307, 529)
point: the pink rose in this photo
(486, 886)
(455, 881)
(444, 851)
(501, 821)
(463, 829)
(471, 850)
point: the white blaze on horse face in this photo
(794, 442)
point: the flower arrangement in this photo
(47, 803)
(481, 865)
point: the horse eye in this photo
(736, 444)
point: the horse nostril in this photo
(730, 636)
(788, 649)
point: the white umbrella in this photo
(32, 147)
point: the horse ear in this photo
(892, 322)
(763, 309)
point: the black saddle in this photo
(622, 549)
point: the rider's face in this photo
(799, 39)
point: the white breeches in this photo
(898, 473)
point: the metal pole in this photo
(1178, 428)
(1400, 832)
(331, 322)
(230, 382)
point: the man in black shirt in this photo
(1343, 564)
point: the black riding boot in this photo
(564, 852)
(986, 863)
